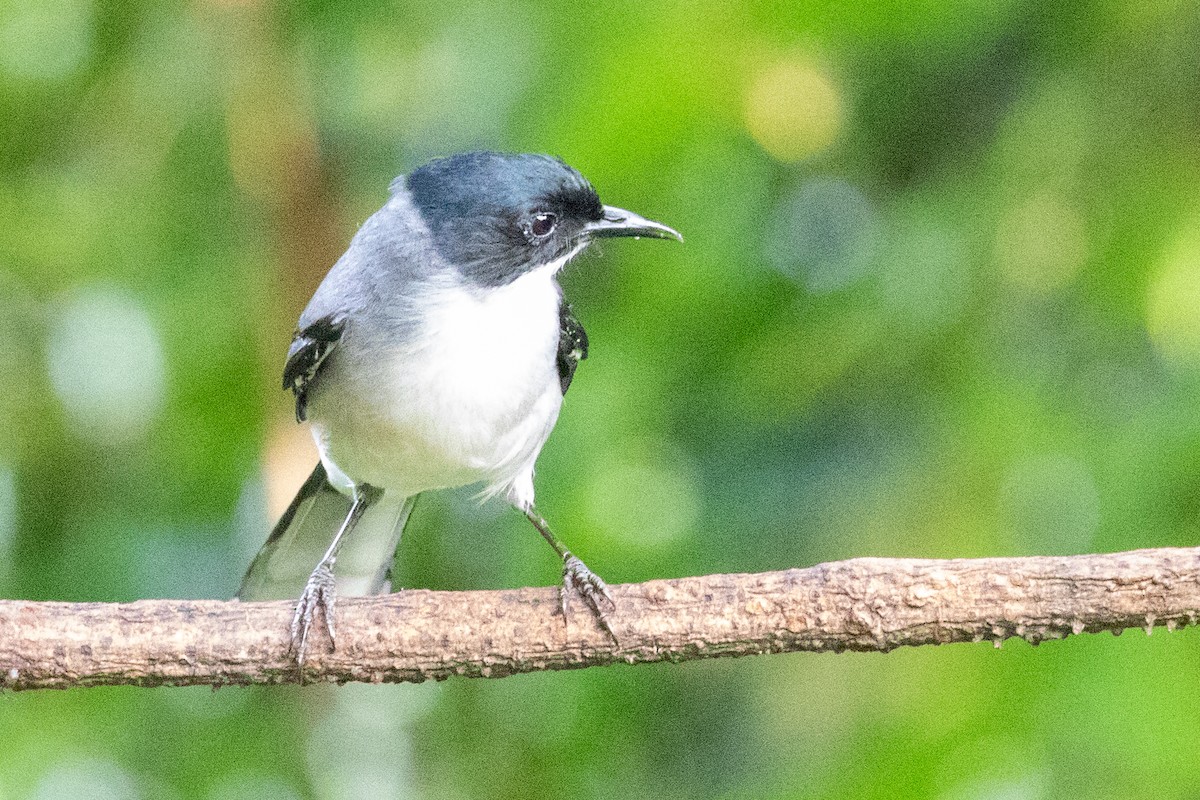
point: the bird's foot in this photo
(318, 596)
(578, 579)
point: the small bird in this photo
(435, 354)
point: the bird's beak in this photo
(619, 222)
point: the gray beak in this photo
(619, 222)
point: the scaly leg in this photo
(577, 577)
(319, 593)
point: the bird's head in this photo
(497, 216)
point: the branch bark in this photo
(863, 604)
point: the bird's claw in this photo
(318, 595)
(578, 579)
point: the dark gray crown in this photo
(486, 211)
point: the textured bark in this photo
(862, 604)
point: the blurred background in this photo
(940, 297)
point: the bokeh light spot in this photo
(926, 276)
(455, 91)
(824, 234)
(288, 458)
(1041, 243)
(44, 39)
(363, 745)
(1173, 305)
(793, 109)
(106, 365)
(85, 778)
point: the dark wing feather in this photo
(310, 347)
(303, 534)
(572, 345)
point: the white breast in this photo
(472, 396)
(485, 347)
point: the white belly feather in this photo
(472, 396)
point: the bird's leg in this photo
(577, 577)
(319, 593)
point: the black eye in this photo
(543, 224)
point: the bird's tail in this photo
(303, 533)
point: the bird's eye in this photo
(543, 224)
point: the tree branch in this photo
(861, 604)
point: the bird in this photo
(435, 354)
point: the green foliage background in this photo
(940, 296)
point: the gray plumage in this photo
(434, 354)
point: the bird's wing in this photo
(572, 345)
(303, 533)
(310, 347)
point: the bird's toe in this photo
(318, 596)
